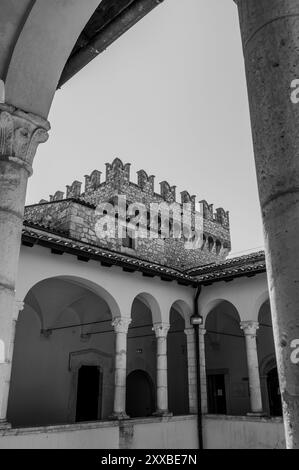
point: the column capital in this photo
(121, 324)
(19, 306)
(161, 329)
(189, 332)
(20, 135)
(202, 331)
(249, 327)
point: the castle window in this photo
(129, 240)
(171, 227)
(218, 246)
(210, 243)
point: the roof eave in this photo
(118, 25)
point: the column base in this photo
(257, 414)
(4, 425)
(119, 416)
(162, 414)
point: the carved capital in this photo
(121, 325)
(20, 135)
(249, 327)
(19, 306)
(189, 332)
(201, 331)
(161, 329)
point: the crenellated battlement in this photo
(93, 181)
(167, 192)
(118, 179)
(74, 191)
(145, 182)
(118, 173)
(58, 196)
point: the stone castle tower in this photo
(75, 215)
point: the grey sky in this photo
(169, 97)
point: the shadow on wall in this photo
(267, 363)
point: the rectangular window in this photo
(129, 240)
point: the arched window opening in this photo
(218, 246)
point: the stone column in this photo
(161, 331)
(203, 373)
(7, 365)
(270, 34)
(192, 379)
(20, 134)
(121, 326)
(250, 328)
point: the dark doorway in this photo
(88, 392)
(216, 394)
(274, 393)
(140, 395)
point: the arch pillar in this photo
(121, 326)
(6, 365)
(270, 36)
(20, 135)
(192, 378)
(161, 331)
(250, 329)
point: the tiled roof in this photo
(59, 243)
(247, 265)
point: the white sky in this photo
(169, 97)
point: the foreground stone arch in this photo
(43, 46)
